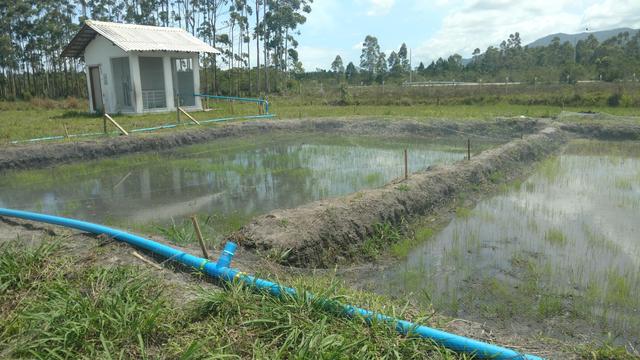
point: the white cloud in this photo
(481, 23)
(442, 3)
(379, 7)
(317, 57)
(322, 15)
(611, 14)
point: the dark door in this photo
(96, 89)
(183, 82)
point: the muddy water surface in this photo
(558, 254)
(230, 180)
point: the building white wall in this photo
(134, 63)
(196, 80)
(168, 76)
(99, 53)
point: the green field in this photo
(43, 117)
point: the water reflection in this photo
(558, 253)
(222, 178)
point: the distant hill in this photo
(574, 38)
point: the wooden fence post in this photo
(194, 220)
(406, 165)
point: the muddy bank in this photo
(47, 154)
(331, 231)
(605, 131)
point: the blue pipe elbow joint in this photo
(227, 254)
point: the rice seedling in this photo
(624, 184)
(555, 236)
(550, 169)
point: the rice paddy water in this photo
(556, 255)
(228, 180)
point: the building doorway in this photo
(183, 82)
(122, 83)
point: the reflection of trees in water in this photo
(249, 181)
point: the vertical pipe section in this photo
(221, 270)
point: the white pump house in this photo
(138, 68)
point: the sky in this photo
(439, 28)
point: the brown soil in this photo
(330, 231)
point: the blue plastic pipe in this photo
(221, 270)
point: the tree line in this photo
(617, 58)
(33, 33)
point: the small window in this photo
(184, 64)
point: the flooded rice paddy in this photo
(229, 180)
(556, 255)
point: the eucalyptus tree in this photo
(337, 66)
(403, 58)
(240, 11)
(256, 34)
(381, 68)
(370, 56)
(212, 11)
(351, 72)
(281, 20)
(395, 65)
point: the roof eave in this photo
(76, 46)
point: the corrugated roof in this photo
(130, 37)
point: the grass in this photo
(550, 169)
(403, 247)
(463, 212)
(31, 120)
(55, 306)
(213, 226)
(605, 351)
(25, 120)
(496, 177)
(555, 236)
(384, 236)
(549, 306)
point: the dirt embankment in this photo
(47, 154)
(330, 231)
(604, 131)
